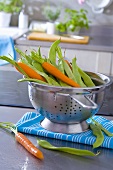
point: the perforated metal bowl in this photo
(67, 106)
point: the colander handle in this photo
(94, 105)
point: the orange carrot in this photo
(24, 141)
(58, 74)
(30, 72)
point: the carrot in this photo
(30, 72)
(58, 74)
(23, 140)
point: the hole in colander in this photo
(51, 115)
(80, 110)
(60, 104)
(65, 113)
(70, 109)
(60, 110)
(55, 106)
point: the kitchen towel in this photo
(6, 48)
(30, 123)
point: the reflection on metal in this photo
(64, 128)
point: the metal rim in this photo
(44, 87)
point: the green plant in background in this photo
(74, 20)
(51, 13)
(10, 6)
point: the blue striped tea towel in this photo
(30, 123)
(6, 48)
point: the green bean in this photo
(87, 80)
(54, 81)
(68, 71)
(38, 66)
(99, 135)
(51, 81)
(27, 57)
(32, 80)
(39, 52)
(59, 52)
(102, 128)
(52, 52)
(76, 73)
(61, 68)
(74, 151)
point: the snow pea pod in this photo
(32, 80)
(23, 55)
(52, 52)
(38, 66)
(76, 73)
(102, 128)
(74, 151)
(68, 71)
(99, 135)
(87, 80)
(61, 68)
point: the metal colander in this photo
(67, 106)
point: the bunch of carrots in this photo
(52, 70)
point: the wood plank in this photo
(52, 38)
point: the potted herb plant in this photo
(51, 13)
(74, 20)
(7, 8)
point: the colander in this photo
(66, 109)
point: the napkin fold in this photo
(30, 123)
(6, 48)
